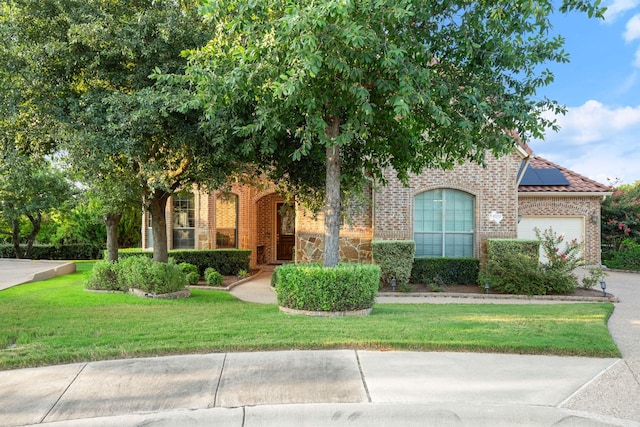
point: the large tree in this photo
(114, 121)
(372, 84)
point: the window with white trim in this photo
(184, 221)
(443, 224)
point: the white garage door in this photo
(570, 227)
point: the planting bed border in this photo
(362, 312)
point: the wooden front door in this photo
(285, 233)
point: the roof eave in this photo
(564, 194)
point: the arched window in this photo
(226, 221)
(443, 224)
(184, 230)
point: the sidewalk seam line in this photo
(63, 393)
(364, 382)
(588, 383)
(215, 396)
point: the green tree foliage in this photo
(29, 188)
(92, 61)
(621, 216)
(356, 87)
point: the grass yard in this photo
(57, 321)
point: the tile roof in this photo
(577, 183)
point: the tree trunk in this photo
(15, 238)
(159, 225)
(111, 221)
(333, 204)
(31, 238)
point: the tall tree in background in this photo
(29, 187)
(372, 84)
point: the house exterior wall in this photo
(355, 233)
(386, 213)
(493, 187)
(585, 206)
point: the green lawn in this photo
(57, 321)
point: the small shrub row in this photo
(395, 258)
(445, 271)
(141, 273)
(312, 287)
(628, 258)
(226, 261)
(53, 252)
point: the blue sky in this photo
(600, 134)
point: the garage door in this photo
(571, 227)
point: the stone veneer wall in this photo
(494, 188)
(355, 233)
(586, 206)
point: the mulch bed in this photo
(476, 289)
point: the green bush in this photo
(226, 261)
(447, 271)
(395, 258)
(213, 277)
(499, 247)
(152, 277)
(105, 276)
(312, 287)
(628, 258)
(56, 252)
(191, 271)
(513, 266)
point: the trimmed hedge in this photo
(226, 261)
(450, 271)
(395, 258)
(62, 252)
(497, 248)
(311, 287)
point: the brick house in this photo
(448, 213)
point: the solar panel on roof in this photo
(544, 176)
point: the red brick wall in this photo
(494, 188)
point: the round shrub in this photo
(105, 276)
(311, 287)
(191, 271)
(212, 277)
(144, 273)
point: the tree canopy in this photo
(364, 86)
(91, 61)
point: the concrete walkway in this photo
(18, 271)
(340, 387)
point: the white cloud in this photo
(593, 122)
(618, 7)
(597, 141)
(632, 29)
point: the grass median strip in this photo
(56, 321)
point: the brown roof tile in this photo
(577, 183)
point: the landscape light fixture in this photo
(603, 285)
(486, 286)
(393, 284)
